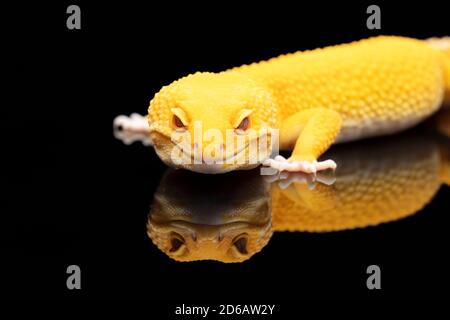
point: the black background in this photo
(75, 195)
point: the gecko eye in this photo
(176, 242)
(177, 122)
(244, 125)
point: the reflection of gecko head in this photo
(199, 217)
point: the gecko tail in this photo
(443, 45)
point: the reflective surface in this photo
(231, 217)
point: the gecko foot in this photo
(135, 122)
(132, 128)
(282, 164)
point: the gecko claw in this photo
(135, 122)
(282, 164)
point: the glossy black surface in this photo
(76, 195)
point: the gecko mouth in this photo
(172, 153)
(227, 158)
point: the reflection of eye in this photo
(241, 245)
(177, 122)
(245, 123)
(176, 242)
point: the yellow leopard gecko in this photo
(367, 88)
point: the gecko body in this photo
(315, 98)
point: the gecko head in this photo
(213, 122)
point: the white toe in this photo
(282, 164)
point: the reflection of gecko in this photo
(341, 93)
(206, 217)
(369, 189)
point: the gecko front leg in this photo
(311, 132)
(132, 128)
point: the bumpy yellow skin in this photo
(315, 98)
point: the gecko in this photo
(315, 98)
